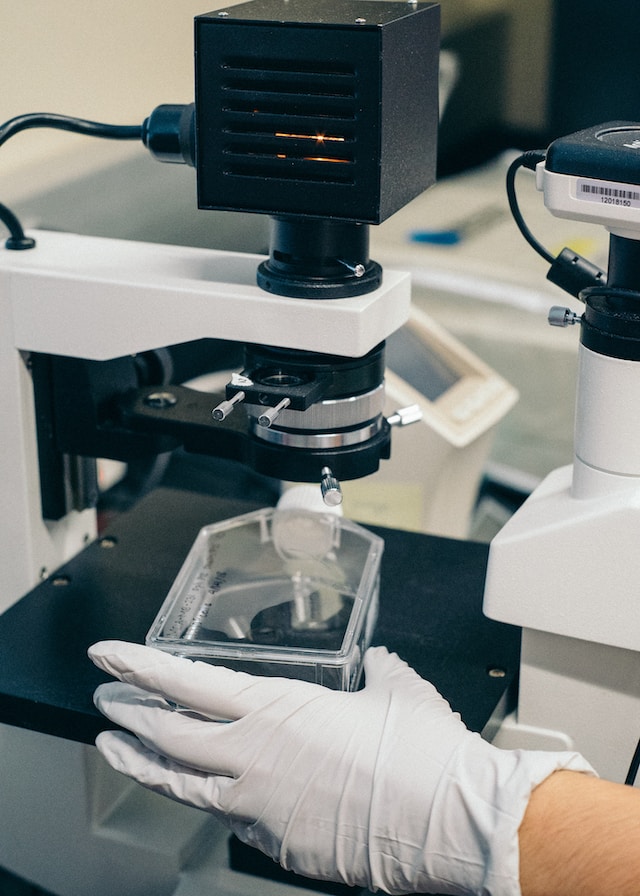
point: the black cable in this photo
(17, 239)
(526, 160)
(633, 768)
(570, 271)
(68, 123)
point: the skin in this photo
(580, 836)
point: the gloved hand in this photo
(384, 787)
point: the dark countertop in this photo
(430, 613)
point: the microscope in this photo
(565, 566)
(322, 116)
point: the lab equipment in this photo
(565, 566)
(275, 82)
(90, 336)
(289, 121)
(321, 141)
(285, 592)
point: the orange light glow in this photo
(325, 159)
(282, 155)
(317, 138)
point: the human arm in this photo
(384, 787)
(580, 837)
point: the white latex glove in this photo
(383, 788)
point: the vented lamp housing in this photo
(325, 110)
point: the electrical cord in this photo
(633, 768)
(17, 238)
(568, 270)
(526, 160)
(68, 123)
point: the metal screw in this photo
(61, 581)
(223, 14)
(361, 21)
(496, 672)
(562, 317)
(357, 268)
(108, 542)
(160, 400)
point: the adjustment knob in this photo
(330, 488)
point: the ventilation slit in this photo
(289, 122)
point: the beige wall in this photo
(111, 61)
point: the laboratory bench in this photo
(430, 613)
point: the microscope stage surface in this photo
(430, 614)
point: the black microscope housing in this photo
(327, 110)
(323, 116)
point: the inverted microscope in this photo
(323, 116)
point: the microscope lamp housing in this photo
(316, 110)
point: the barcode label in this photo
(608, 193)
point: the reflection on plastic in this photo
(276, 592)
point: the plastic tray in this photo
(291, 593)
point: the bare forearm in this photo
(580, 837)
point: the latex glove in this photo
(383, 788)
